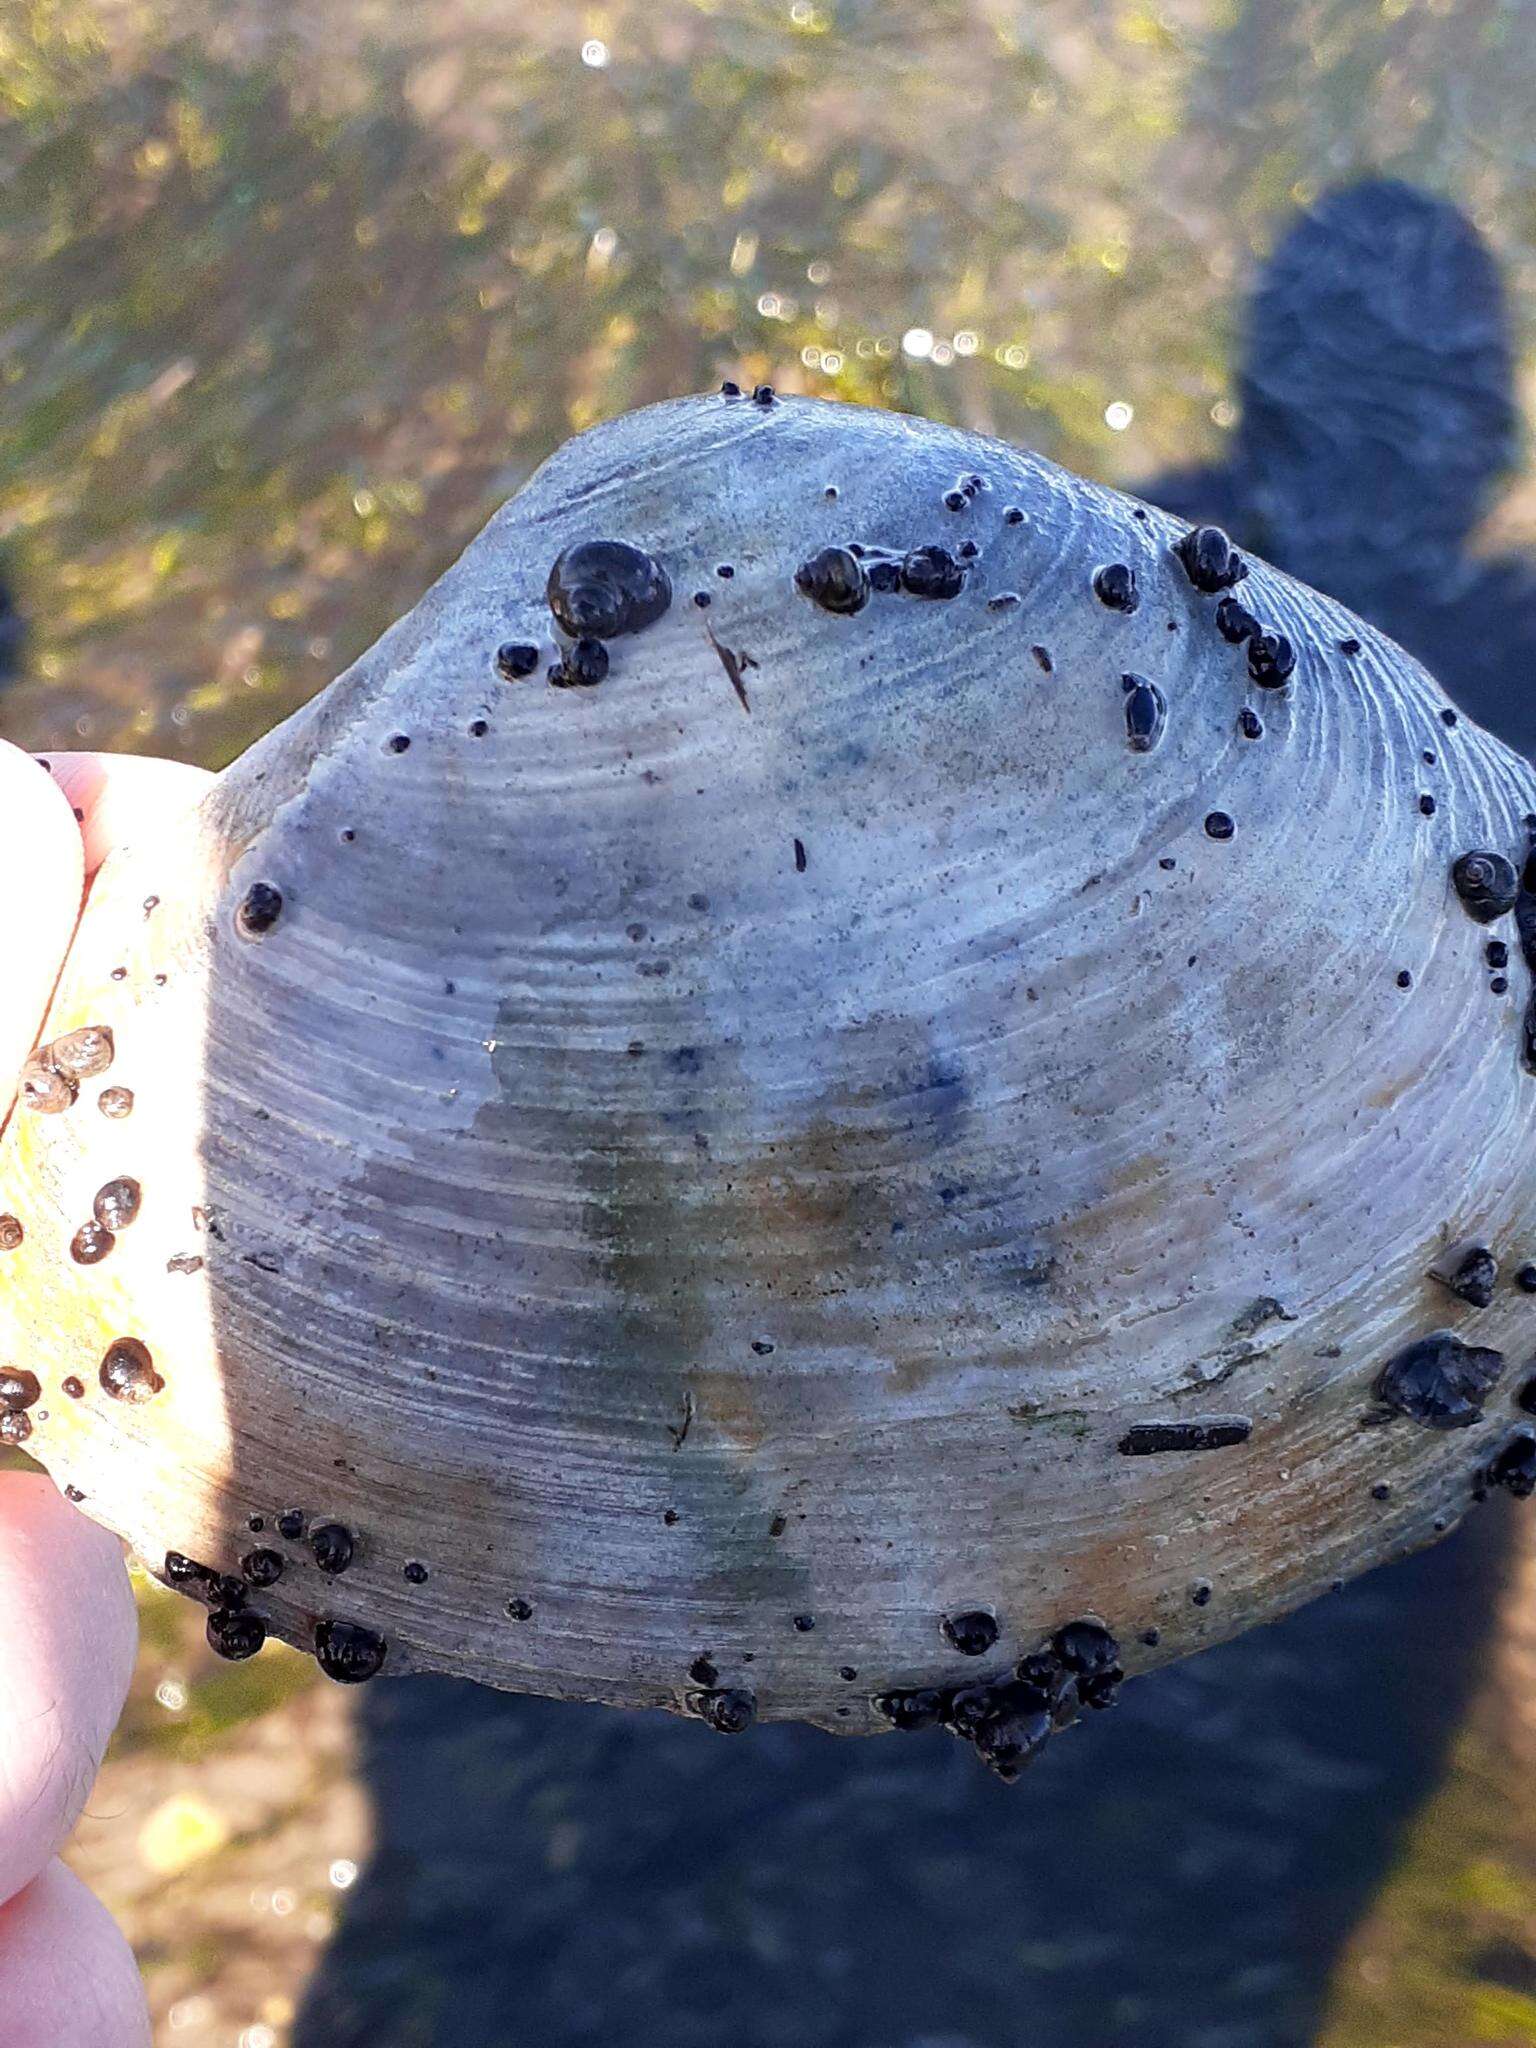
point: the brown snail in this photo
(776, 1106)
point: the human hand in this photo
(67, 1626)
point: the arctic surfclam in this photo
(882, 1152)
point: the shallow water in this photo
(291, 295)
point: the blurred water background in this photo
(292, 293)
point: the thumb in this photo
(42, 873)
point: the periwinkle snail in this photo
(866, 1147)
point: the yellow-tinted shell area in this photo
(703, 1173)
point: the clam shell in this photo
(713, 1181)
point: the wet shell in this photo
(807, 1156)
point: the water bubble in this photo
(595, 54)
(1118, 415)
(917, 342)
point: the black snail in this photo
(869, 1130)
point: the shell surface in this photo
(914, 1107)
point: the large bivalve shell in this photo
(936, 1098)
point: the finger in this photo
(67, 1638)
(116, 796)
(41, 878)
(67, 1976)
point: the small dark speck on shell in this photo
(1249, 723)
(1496, 953)
(1404, 978)
(703, 1671)
(73, 1493)
(932, 572)
(804, 1623)
(520, 1610)
(83, 1053)
(1499, 986)
(11, 1233)
(115, 1103)
(910, 1711)
(45, 1092)
(332, 1547)
(1448, 716)
(1043, 657)
(128, 1372)
(884, 575)
(730, 389)
(1438, 1381)
(847, 1673)
(1210, 560)
(1207, 1433)
(234, 1634)
(1525, 1279)
(1013, 516)
(290, 1524)
(600, 589)
(1427, 806)
(728, 1712)
(1200, 1592)
(670, 1517)
(1350, 645)
(397, 743)
(348, 1652)
(762, 394)
(1486, 883)
(1151, 1637)
(478, 729)
(968, 551)
(702, 599)
(118, 1203)
(972, 1633)
(262, 1567)
(19, 1389)
(415, 1573)
(1115, 587)
(260, 908)
(516, 659)
(835, 580)
(1382, 1490)
(90, 1244)
(1219, 826)
(800, 862)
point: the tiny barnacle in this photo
(601, 588)
(127, 1372)
(235, 1634)
(74, 1388)
(19, 1389)
(1249, 723)
(11, 1233)
(260, 908)
(262, 1567)
(1486, 884)
(1427, 806)
(397, 743)
(1218, 825)
(414, 1572)
(931, 572)
(290, 1524)
(1235, 622)
(1210, 560)
(804, 1623)
(115, 1103)
(1146, 713)
(1200, 1592)
(348, 1652)
(90, 1244)
(835, 580)
(45, 1092)
(331, 1546)
(728, 1712)
(520, 1610)
(1404, 978)
(703, 1671)
(1114, 586)
(1438, 1381)
(1271, 660)
(82, 1054)
(972, 1633)
(118, 1203)
(516, 659)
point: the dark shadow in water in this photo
(1377, 415)
(1185, 1870)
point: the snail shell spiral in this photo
(910, 1103)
